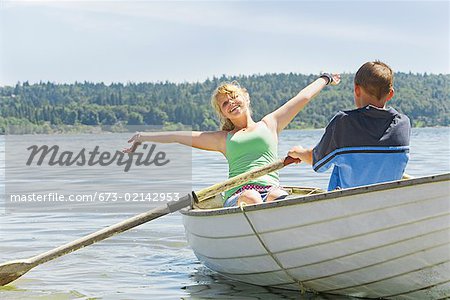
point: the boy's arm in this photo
(305, 155)
(326, 145)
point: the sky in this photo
(188, 41)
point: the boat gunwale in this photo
(330, 195)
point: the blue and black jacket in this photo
(366, 146)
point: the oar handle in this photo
(211, 191)
(290, 160)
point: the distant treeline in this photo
(423, 97)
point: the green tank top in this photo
(246, 151)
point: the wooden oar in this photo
(12, 270)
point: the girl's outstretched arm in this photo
(281, 117)
(209, 140)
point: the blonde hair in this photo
(376, 77)
(232, 89)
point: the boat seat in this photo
(294, 191)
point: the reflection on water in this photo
(154, 261)
(210, 285)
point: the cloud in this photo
(230, 15)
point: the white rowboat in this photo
(389, 240)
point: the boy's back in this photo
(366, 145)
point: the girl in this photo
(246, 144)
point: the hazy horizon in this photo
(193, 82)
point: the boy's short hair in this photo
(376, 77)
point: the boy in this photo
(366, 145)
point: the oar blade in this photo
(12, 270)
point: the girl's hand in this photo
(331, 78)
(336, 79)
(136, 140)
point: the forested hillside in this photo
(424, 98)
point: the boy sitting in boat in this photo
(369, 144)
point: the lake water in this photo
(154, 261)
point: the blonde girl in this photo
(246, 144)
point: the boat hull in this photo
(389, 240)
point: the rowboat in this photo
(388, 240)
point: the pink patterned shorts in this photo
(256, 187)
(263, 190)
